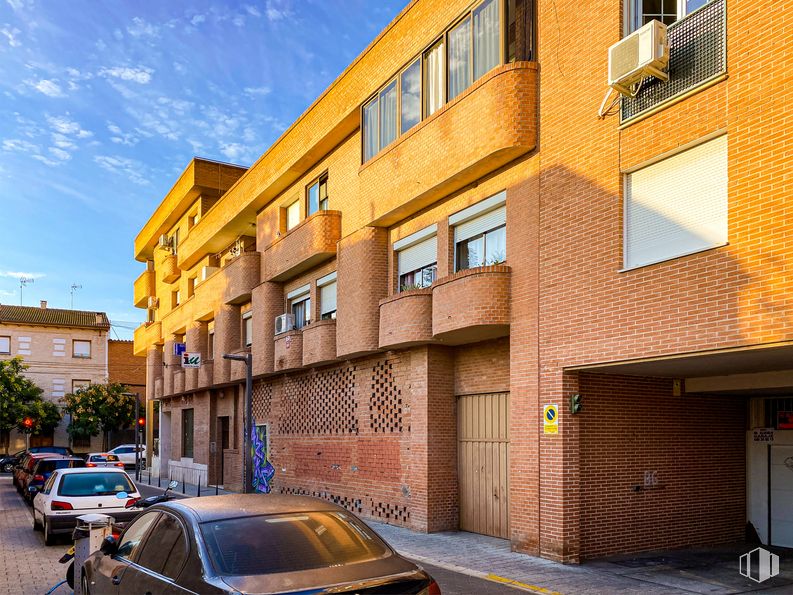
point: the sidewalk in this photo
(183, 489)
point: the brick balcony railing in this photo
(312, 241)
(406, 318)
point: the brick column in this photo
(172, 364)
(195, 341)
(267, 303)
(154, 369)
(227, 340)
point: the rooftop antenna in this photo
(22, 282)
(74, 288)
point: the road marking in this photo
(488, 576)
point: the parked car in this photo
(58, 450)
(102, 459)
(126, 452)
(9, 461)
(70, 493)
(25, 467)
(42, 470)
(250, 543)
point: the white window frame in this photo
(633, 13)
(423, 235)
(289, 223)
(301, 294)
(475, 211)
(247, 322)
(74, 351)
(322, 283)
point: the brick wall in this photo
(125, 367)
(694, 444)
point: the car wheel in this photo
(8, 468)
(84, 583)
(36, 524)
(49, 538)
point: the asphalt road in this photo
(455, 583)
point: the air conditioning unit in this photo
(154, 301)
(207, 272)
(284, 323)
(642, 54)
(165, 241)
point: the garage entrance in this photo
(483, 463)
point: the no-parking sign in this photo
(550, 419)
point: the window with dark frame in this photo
(317, 195)
(187, 433)
(247, 328)
(225, 432)
(423, 277)
(300, 307)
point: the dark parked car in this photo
(9, 461)
(58, 450)
(42, 470)
(25, 466)
(250, 543)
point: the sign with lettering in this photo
(179, 349)
(763, 435)
(191, 360)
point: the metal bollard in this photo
(91, 530)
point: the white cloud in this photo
(63, 125)
(233, 151)
(62, 141)
(60, 154)
(19, 145)
(253, 11)
(134, 170)
(198, 19)
(11, 35)
(47, 87)
(139, 75)
(257, 90)
(19, 275)
(179, 67)
(238, 20)
(20, 5)
(120, 137)
(141, 28)
(276, 11)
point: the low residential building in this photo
(448, 252)
(124, 367)
(64, 350)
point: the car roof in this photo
(98, 454)
(214, 508)
(92, 470)
(56, 458)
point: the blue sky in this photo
(103, 104)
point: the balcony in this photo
(288, 350)
(319, 342)
(170, 269)
(178, 382)
(471, 305)
(406, 319)
(190, 379)
(487, 126)
(205, 373)
(145, 336)
(143, 289)
(240, 276)
(697, 56)
(312, 241)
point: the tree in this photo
(99, 408)
(44, 417)
(16, 392)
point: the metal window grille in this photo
(697, 54)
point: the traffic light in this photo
(28, 423)
(141, 422)
(575, 404)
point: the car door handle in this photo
(116, 580)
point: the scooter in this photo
(117, 528)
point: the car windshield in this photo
(48, 466)
(306, 540)
(104, 458)
(95, 484)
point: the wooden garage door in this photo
(483, 450)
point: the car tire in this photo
(49, 538)
(8, 468)
(84, 584)
(36, 525)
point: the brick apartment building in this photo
(458, 241)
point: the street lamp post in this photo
(247, 464)
(137, 437)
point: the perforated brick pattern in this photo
(351, 504)
(261, 400)
(385, 399)
(320, 403)
(393, 514)
(697, 52)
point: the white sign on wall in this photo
(763, 435)
(191, 360)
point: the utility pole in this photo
(247, 463)
(137, 435)
(22, 282)
(74, 288)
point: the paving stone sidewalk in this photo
(27, 566)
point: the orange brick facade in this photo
(362, 409)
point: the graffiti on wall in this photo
(263, 471)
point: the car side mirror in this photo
(33, 490)
(109, 546)
(172, 484)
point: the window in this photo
(175, 299)
(77, 384)
(677, 206)
(370, 132)
(642, 12)
(84, 485)
(192, 219)
(224, 432)
(459, 58)
(165, 550)
(247, 328)
(410, 88)
(81, 348)
(132, 537)
(292, 215)
(317, 196)
(487, 52)
(480, 233)
(150, 315)
(327, 296)
(388, 114)
(190, 287)
(187, 433)
(210, 339)
(5, 345)
(175, 241)
(417, 256)
(300, 305)
(434, 73)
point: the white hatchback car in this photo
(126, 452)
(103, 459)
(70, 493)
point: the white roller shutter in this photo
(677, 206)
(481, 224)
(418, 255)
(327, 298)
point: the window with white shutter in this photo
(417, 259)
(677, 206)
(480, 233)
(327, 296)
